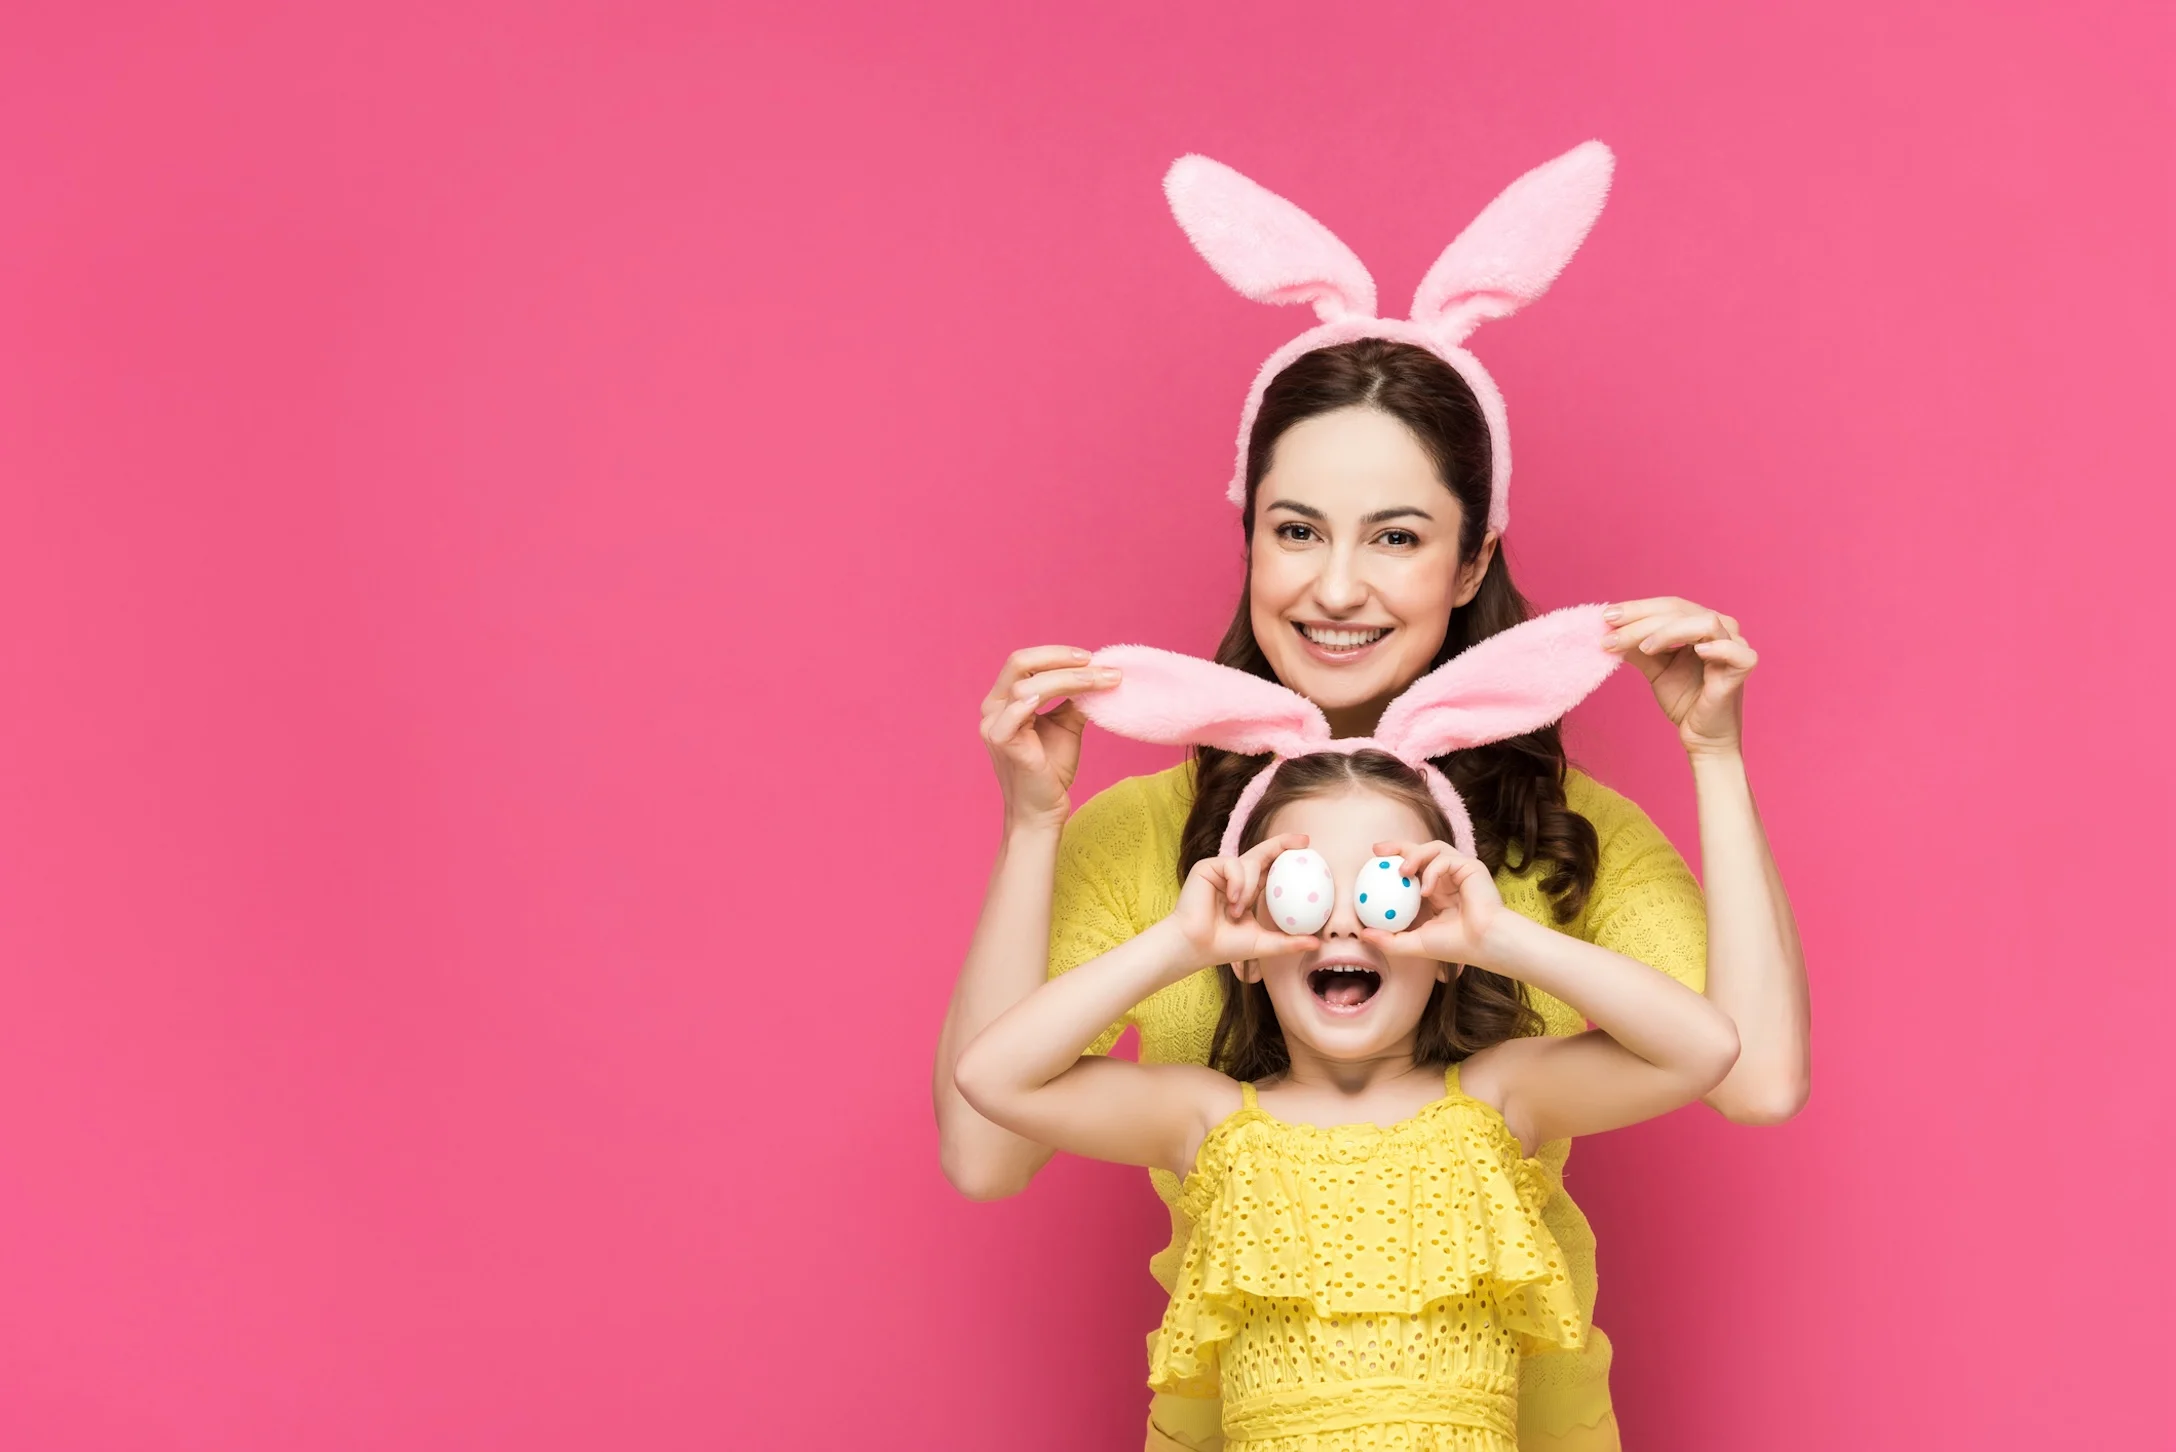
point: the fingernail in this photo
(1613, 614)
(1106, 674)
(1080, 655)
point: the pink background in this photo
(508, 513)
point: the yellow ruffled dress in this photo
(1360, 1288)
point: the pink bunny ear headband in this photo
(1515, 681)
(1273, 252)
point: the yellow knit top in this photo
(1118, 875)
(1361, 1287)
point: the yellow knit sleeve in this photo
(1646, 904)
(1095, 905)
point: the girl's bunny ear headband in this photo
(1515, 681)
(1275, 253)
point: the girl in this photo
(1368, 1261)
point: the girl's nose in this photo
(1344, 915)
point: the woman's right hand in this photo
(1216, 913)
(1035, 755)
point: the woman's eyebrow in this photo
(1306, 511)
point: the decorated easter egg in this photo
(1383, 896)
(1298, 892)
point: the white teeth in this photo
(1343, 639)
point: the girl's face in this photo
(1344, 1000)
(1355, 567)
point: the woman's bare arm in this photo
(1035, 755)
(1697, 663)
(1004, 964)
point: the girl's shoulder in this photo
(1486, 1079)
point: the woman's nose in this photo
(1340, 587)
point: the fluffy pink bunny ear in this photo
(1177, 699)
(1512, 682)
(1264, 246)
(1508, 256)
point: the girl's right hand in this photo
(1034, 755)
(1216, 916)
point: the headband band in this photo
(1273, 252)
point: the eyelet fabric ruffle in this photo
(1349, 1277)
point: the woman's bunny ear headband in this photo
(1273, 252)
(1515, 681)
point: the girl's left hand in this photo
(1696, 662)
(1464, 907)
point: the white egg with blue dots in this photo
(1383, 896)
(1298, 891)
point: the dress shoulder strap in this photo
(1450, 1084)
(1246, 1096)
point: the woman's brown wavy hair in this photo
(1514, 789)
(1475, 1009)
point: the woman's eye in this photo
(1399, 539)
(1299, 533)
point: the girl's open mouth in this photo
(1344, 987)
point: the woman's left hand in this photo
(1697, 663)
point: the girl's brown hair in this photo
(1475, 1009)
(1514, 789)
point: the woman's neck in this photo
(1360, 720)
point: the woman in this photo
(1369, 480)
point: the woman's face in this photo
(1355, 566)
(1346, 1001)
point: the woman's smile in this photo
(1337, 644)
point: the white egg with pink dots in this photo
(1385, 896)
(1298, 892)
